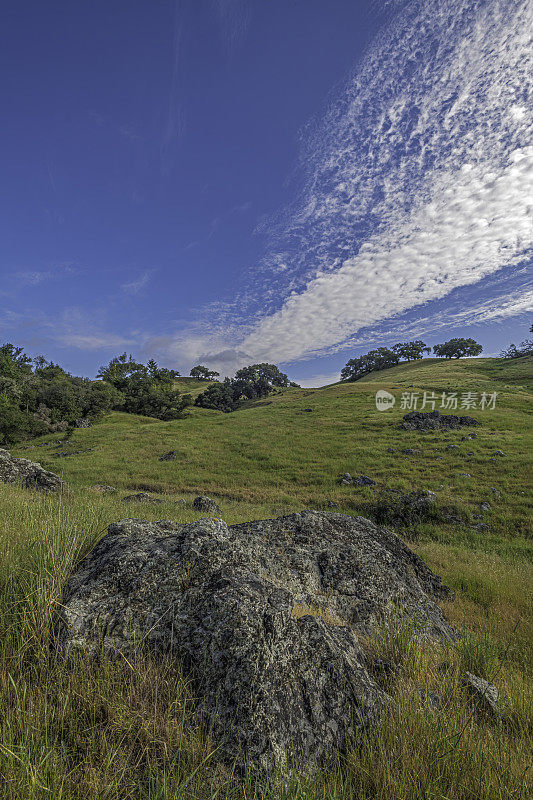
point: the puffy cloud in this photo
(419, 181)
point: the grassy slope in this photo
(265, 460)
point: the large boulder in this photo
(264, 617)
(28, 473)
(434, 420)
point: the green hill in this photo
(276, 456)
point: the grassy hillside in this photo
(271, 458)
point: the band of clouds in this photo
(419, 182)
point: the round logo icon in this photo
(384, 400)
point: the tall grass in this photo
(79, 727)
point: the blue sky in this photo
(295, 181)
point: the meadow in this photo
(73, 728)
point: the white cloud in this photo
(135, 286)
(419, 182)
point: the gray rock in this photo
(103, 488)
(495, 492)
(452, 447)
(428, 698)
(363, 480)
(346, 479)
(332, 504)
(408, 451)
(434, 420)
(28, 473)
(482, 527)
(206, 505)
(485, 506)
(391, 449)
(141, 497)
(470, 453)
(498, 453)
(263, 617)
(465, 475)
(485, 694)
(170, 456)
(83, 423)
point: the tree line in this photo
(38, 396)
(385, 357)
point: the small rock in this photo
(428, 698)
(363, 480)
(470, 453)
(485, 506)
(83, 423)
(481, 691)
(141, 497)
(477, 516)
(482, 527)
(408, 451)
(391, 449)
(495, 492)
(29, 473)
(207, 505)
(465, 475)
(170, 456)
(331, 504)
(498, 453)
(308, 409)
(102, 488)
(346, 479)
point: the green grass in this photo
(73, 729)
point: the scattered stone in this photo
(331, 504)
(477, 516)
(470, 454)
(346, 479)
(434, 420)
(485, 506)
(482, 527)
(308, 409)
(465, 475)
(141, 497)
(206, 505)
(408, 451)
(485, 694)
(391, 449)
(170, 456)
(29, 473)
(363, 480)
(495, 492)
(452, 447)
(102, 488)
(469, 436)
(430, 699)
(84, 422)
(237, 607)
(498, 453)
(69, 453)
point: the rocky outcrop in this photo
(141, 497)
(29, 473)
(84, 422)
(263, 617)
(206, 505)
(170, 456)
(434, 420)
